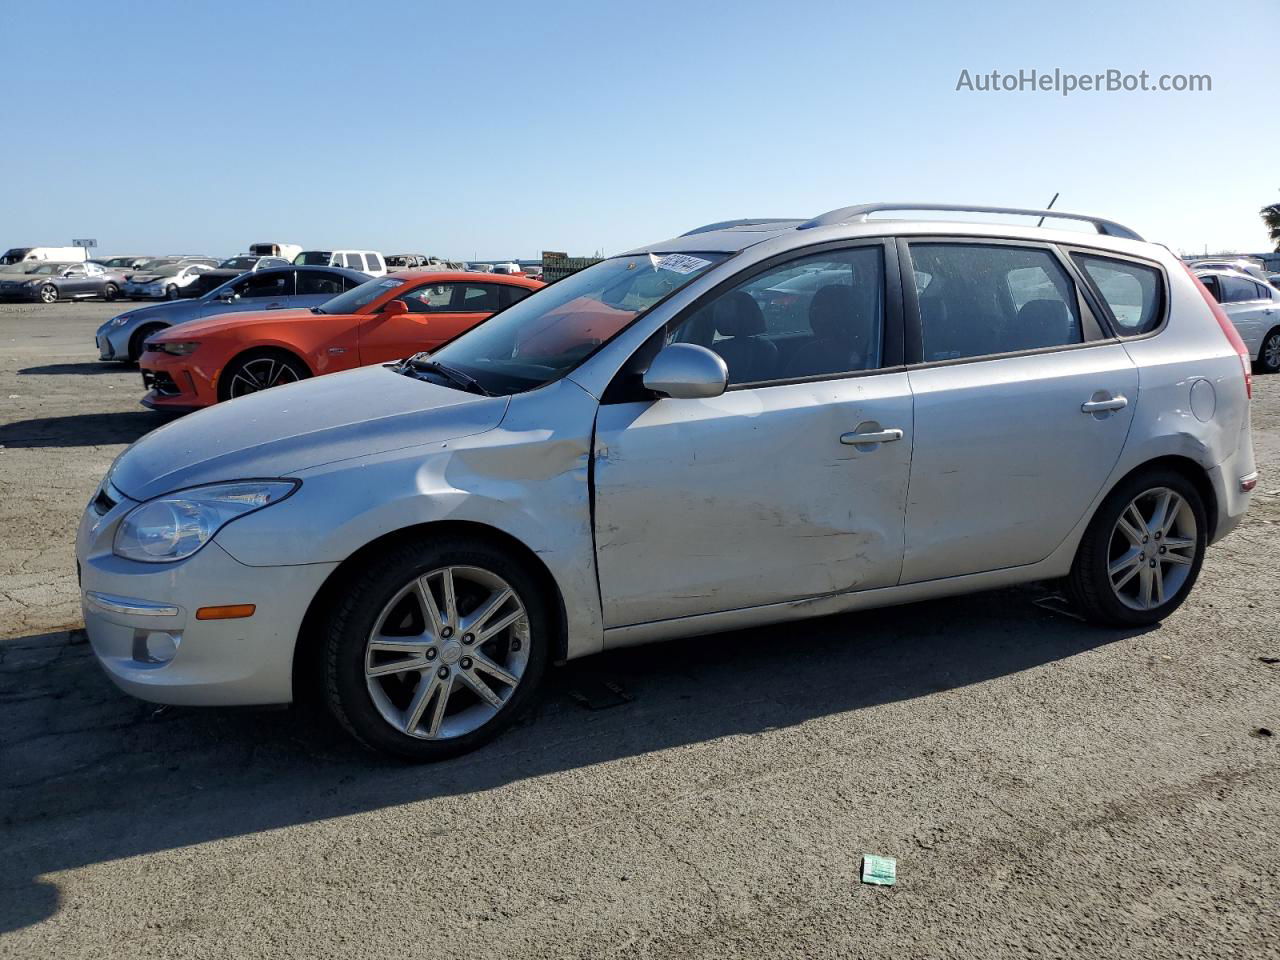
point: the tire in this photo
(110, 292)
(48, 293)
(139, 337)
(171, 292)
(1158, 575)
(256, 371)
(1269, 353)
(384, 600)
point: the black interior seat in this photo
(748, 355)
(841, 328)
(1043, 323)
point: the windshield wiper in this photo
(316, 310)
(454, 376)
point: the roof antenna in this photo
(1049, 207)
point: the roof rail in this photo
(727, 224)
(862, 212)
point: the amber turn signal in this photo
(234, 611)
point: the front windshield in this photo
(47, 269)
(357, 297)
(546, 335)
(238, 263)
(312, 258)
(155, 264)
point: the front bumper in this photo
(172, 383)
(20, 294)
(141, 621)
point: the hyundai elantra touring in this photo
(756, 422)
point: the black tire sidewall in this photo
(1089, 580)
(110, 292)
(368, 592)
(171, 292)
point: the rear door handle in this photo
(874, 436)
(1102, 406)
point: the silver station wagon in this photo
(756, 422)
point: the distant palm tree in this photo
(1271, 217)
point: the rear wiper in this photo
(456, 377)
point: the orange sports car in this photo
(200, 363)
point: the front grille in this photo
(160, 382)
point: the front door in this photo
(790, 485)
(438, 312)
(1022, 408)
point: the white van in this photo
(58, 254)
(275, 249)
(366, 261)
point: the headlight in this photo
(119, 321)
(175, 526)
(180, 349)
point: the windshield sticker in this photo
(679, 263)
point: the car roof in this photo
(443, 276)
(1225, 272)
(733, 236)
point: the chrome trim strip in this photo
(128, 605)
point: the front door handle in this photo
(873, 436)
(1104, 406)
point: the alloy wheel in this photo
(447, 652)
(49, 294)
(1271, 352)
(261, 374)
(1152, 549)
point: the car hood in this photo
(211, 326)
(279, 432)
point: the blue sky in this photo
(495, 129)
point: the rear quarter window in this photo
(1133, 291)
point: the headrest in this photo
(1047, 319)
(832, 312)
(738, 315)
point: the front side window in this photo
(429, 298)
(982, 299)
(820, 315)
(1238, 290)
(1133, 291)
(544, 336)
(272, 284)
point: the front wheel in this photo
(171, 292)
(1269, 353)
(48, 293)
(435, 647)
(261, 371)
(110, 292)
(1142, 552)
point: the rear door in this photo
(765, 494)
(1022, 404)
(1246, 304)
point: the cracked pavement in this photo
(1047, 788)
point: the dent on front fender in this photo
(527, 478)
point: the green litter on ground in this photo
(879, 870)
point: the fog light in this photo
(155, 646)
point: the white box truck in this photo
(38, 254)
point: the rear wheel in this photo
(435, 647)
(1142, 553)
(1269, 353)
(48, 293)
(259, 371)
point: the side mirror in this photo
(395, 308)
(228, 296)
(686, 371)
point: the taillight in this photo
(1228, 330)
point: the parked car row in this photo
(707, 433)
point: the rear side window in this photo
(479, 298)
(978, 299)
(320, 283)
(1133, 291)
(353, 261)
(371, 262)
(513, 294)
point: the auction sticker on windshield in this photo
(679, 263)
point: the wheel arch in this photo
(307, 650)
(263, 349)
(1191, 469)
(145, 329)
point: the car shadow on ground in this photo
(81, 430)
(94, 776)
(79, 369)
